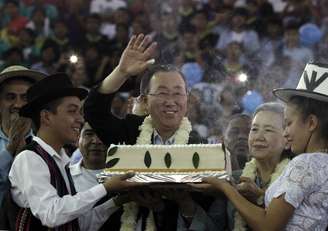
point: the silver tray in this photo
(146, 177)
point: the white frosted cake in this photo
(184, 161)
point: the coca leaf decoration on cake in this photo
(147, 159)
(195, 160)
(112, 162)
(112, 151)
(168, 160)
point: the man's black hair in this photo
(145, 80)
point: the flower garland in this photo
(130, 210)
(128, 220)
(180, 137)
(250, 172)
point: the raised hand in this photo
(19, 128)
(137, 56)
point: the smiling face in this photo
(66, 121)
(92, 149)
(12, 98)
(167, 101)
(266, 140)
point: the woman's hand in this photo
(249, 189)
(211, 185)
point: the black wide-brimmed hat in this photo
(17, 71)
(313, 84)
(48, 89)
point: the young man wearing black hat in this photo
(14, 82)
(40, 184)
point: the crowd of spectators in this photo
(232, 52)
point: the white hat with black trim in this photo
(313, 84)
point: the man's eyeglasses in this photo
(166, 95)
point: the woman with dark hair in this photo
(298, 199)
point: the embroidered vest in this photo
(25, 220)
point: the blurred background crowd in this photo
(232, 52)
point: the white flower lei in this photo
(130, 210)
(180, 137)
(250, 172)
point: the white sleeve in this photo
(94, 219)
(30, 180)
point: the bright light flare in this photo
(73, 58)
(242, 77)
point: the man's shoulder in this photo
(26, 158)
(138, 119)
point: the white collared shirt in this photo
(84, 179)
(158, 139)
(31, 188)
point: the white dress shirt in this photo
(31, 188)
(84, 179)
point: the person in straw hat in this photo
(41, 186)
(298, 199)
(14, 82)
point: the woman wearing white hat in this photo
(298, 199)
